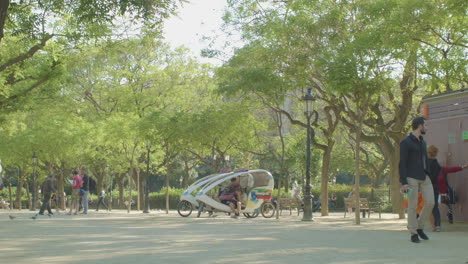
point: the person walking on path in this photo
(414, 171)
(48, 187)
(77, 182)
(101, 201)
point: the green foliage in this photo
(88, 97)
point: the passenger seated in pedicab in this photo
(231, 197)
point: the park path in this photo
(137, 238)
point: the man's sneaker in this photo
(422, 235)
(437, 229)
(415, 238)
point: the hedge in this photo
(158, 199)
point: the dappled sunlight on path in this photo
(119, 237)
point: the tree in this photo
(342, 48)
(35, 34)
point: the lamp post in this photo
(147, 207)
(308, 100)
(34, 159)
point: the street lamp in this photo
(34, 159)
(308, 100)
(147, 207)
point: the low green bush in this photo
(158, 199)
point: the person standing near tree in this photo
(87, 184)
(414, 171)
(77, 182)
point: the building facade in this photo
(447, 120)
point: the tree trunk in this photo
(3, 15)
(129, 200)
(358, 168)
(27, 194)
(11, 198)
(19, 190)
(325, 172)
(61, 190)
(287, 182)
(167, 192)
(99, 184)
(397, 199)
(186, 174)
(111, 188)
(391, 149)
(99, 174)
(137, 170)
(121, 191)
(278, 205)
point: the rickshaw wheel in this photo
(251, 215)
(200, 209)
(184, 208)
(268, 209)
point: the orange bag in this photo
(420, 203)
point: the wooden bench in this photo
(290, 203)
(4, 204)
(364, 206)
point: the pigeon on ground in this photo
(12, 217)
(34, 217)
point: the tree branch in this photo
(34, 86)
(26, 55)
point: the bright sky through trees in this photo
(196, 19)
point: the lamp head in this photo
(308, 99)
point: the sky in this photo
(196, 19)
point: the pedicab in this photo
(187, 199)
(257, 188)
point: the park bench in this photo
(364, 206)
(4, 204)
(290, 203)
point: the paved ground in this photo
(119, 237)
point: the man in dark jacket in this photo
(87, 183)
(48, 187)
(414, 171)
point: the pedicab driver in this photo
(231, 197)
